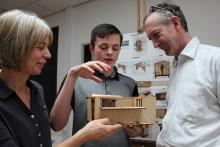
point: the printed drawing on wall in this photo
(141, 61)
(123, 67)
(139, 67)
(139, 45)
(162, 68)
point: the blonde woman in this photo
(24, 119)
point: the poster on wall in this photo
(141, 61)
(139, 45)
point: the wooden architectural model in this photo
(161, 111)
(143, 87)
(128, 110)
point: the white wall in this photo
(121, 13)
(202, 16)
(203, 19)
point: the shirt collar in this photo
(5, 91)
(191, 47)
(113, 76)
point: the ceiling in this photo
(42, 7)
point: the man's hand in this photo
(132, 130)
(87, 70)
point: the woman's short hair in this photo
(20, 31)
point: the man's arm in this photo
(62, 107)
